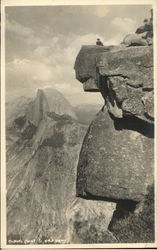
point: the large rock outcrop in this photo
(116, 160)
(123, 75)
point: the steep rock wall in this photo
(116, 160)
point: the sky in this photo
(42, 43)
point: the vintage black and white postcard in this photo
(77, 119)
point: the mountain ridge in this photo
(41, 163)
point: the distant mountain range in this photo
(49, 100)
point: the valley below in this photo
(42, 155)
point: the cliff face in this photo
(48, 100)
(116, 160)
(42, 155)
(123, 75)
(41, 180)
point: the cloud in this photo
(22, 31)
(51, 65)
(61, 59)
(124, 24)
(25, 70)
(42, 42)
(116, 40)
(18, 28)
(87, 10)
(25, 76)
(100, 10)
(50, 58)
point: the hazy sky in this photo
(42, 44)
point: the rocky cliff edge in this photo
(116, 160)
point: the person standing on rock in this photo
(98, 42)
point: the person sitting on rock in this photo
(98, 42)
